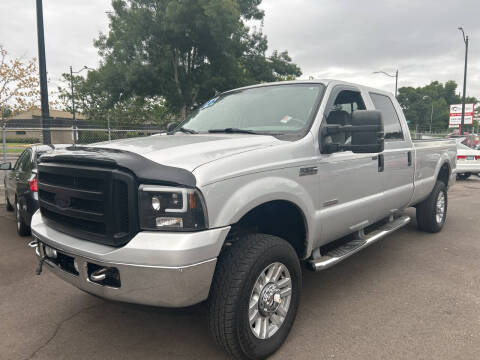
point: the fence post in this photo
(74, 135)
(4, 141)
(109, 132)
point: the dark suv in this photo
(21, 192)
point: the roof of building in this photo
(37, 113)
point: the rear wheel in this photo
(432, 212)
(254, 296)
(8, 206)
(463, 176)
(22, 228)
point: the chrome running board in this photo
(346, 250)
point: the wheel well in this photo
(444, 174)
(279, 218)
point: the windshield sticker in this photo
(209, 103)
(286, 119)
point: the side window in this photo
(393, 129)
(340, 113)
(26, 163)
(19, 160)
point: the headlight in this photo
(171, 208)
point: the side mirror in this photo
(367, 131)
(6, 166)
(172, 126)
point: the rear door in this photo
(398, 155)
(11, 180)
(24, 173)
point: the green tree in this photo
(184, 51)
(417, 104)
(93, 101)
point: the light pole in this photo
(465, 40)
(431, 113)
(42, 67)
(73, 101)
(392, 76)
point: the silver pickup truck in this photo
(227, 205)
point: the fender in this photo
(227, 210)
(444, 160)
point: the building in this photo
(26, 126)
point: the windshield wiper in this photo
(234, 131)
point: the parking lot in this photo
(410, 296)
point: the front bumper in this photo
(160, 269)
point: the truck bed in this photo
(430, 155)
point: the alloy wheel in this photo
(440, 207)
(270, 301)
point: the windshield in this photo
(276, 109)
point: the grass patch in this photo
(12, 144)
(12, 151)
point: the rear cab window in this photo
(391, 121)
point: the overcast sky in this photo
(345, 40)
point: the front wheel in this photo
(463, 176)
(254, 296)
(432, 212)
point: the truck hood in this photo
(189, 151)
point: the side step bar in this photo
(344, 251)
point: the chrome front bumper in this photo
(145, 265)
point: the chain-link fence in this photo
(420, 132)
(15, 139)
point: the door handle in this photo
(381, 163)
(409, 156)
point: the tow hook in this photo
(99, 275)
(35, 244)
(38, 271)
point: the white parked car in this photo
(468, 161)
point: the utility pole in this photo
(74, 113)
(431, 119)
(73, 110)
(465, 40)
(392, 76)
(45, 119)
(396, 83)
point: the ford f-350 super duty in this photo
(228, 204)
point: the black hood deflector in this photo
(143, 168)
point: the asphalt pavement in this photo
(410, 296)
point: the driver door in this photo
(350, 187)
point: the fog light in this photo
(51, 253)
(75, 265)
(169, 222)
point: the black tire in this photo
(22, 228)
(463, 176)
(8, 206)
(427, 210)
(238, 269)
